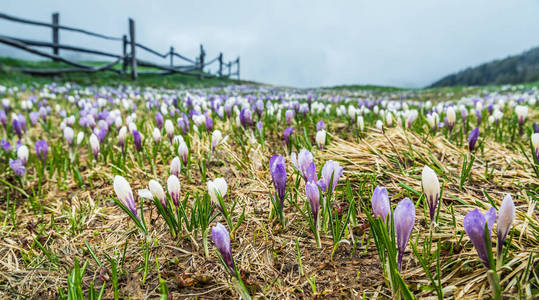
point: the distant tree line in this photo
(511, 70)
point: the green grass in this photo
(367, 87)
(9, 76)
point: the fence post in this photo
(238, 61)
(229, 65)
(220, 64)
(202, 54)
(133, 46)
(171, 57)
(55, 32)
(124, 51)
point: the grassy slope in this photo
(8, 76)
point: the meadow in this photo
(120, 191)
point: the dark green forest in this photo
(515, 69)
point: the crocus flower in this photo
(320, 125)
(380, 125)
(313, 195)
(360, 123)
(80, 137)
(472, 138)
(169, 129)
(17, 166)
(159, 120)
(246, 117)
(122, 134)
(6, 146)
(209, 123)
(505, 220)
(287, 132)
(183, 151)
(289, 115)
(173, 187)
(331, 169)
(535, 144)
(94, 144)
(157, 191)
(34, 117)
(278, 174)
(17, 127)
(101, 134)
(321, 138)
(380, 203)
(217, 139)
(217, 188)
(22, 154)
(175, 166)
(451, 117)
(536, 127)
(3, 118)
(41, 149)
(137, 140)
(68, 135)
(404, 218)
(259, 126)
(124, 193)
(431, 187)
(302, 162)
(522, 113)
(474, 225)
(156, 134)
(221, 239)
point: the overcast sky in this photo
(304, 43)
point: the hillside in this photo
(10, 76)
(515, 69)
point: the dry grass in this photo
(265, 252)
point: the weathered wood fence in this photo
(128, 57)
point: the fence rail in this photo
(128, 57)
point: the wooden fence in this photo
(128, 57)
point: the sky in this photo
(302, 43)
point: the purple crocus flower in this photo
(259, 107)
(6, 146)
(259, 126)
(404, 218)
(287, 132)
(3, 118)
(303, 162)
(536, 127)
(479, 116)
(22, 122)
(331, 169)
(278, 174)
(137, 140)
(320, 125)
(17, 166)
(310, 175)
(17, 127)
(474, 225)
(313, 195)
(209, 123)
(101, 134)
(380, 203)
(221, 239)
(34, 117)
(42, 148)
(472, 138)
(159, 120)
